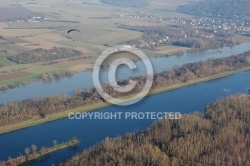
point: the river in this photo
(185, 100)
(83, 80)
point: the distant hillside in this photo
(219, 136)
(17, 13)
(218, 8)
(134, 3)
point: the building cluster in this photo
(34, 19)
(227, 25)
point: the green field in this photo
(4, 61)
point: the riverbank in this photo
(60, 115)
(12, 77)
(36, 154)
(25, 74)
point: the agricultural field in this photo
(167, 50)
(169, 5)
(44, 24)
(13, 75)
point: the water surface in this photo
(185, 100)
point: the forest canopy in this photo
(219, 136)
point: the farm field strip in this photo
(17, 74)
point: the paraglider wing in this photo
(74, 30)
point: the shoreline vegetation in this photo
(39, 77)
(32, 153)
(95, 106)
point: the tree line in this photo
(14, 112)
(219, 136)
(42, 55)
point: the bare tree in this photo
(55, 142)
(34, 148)
(27, 151)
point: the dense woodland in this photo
(237, 9)
(41, 55)
(219, 136)
(180, 35)
(13, 112)
(133, 3)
